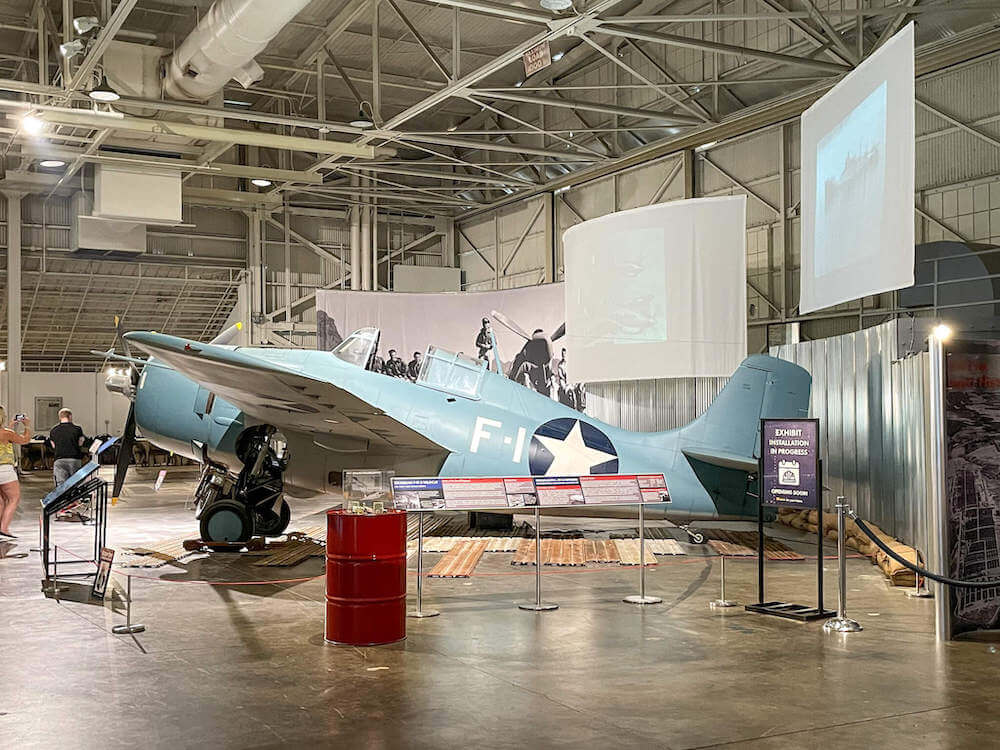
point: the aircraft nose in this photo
(119, 380)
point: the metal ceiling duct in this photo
(223, 46)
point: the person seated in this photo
(67, 440)
(413, 369)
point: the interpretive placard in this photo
(103, 573)
(790, 455)
(537, 58)
(486, 493)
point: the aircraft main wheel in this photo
(226, 521)
(270, 523)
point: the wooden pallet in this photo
(728, 549)
(773, 549)
(152, 555)
(628, 552)
(601, 551)
(460, 561)
(440, 544)
(668, 546)
(286, 554)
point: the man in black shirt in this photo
(66, 439)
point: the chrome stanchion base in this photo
(842, 625)
(636, 599)
(128, 629)
(721, 603)
(922, 593)
(418, 613)
(539, 607)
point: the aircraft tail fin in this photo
(727, 435)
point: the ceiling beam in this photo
(608, 109)
(673, 40)
(96, 121)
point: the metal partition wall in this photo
(872, 409)
(651, 405)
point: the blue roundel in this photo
(568, 446)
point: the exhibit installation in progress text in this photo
(790, 476)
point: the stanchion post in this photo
(128, 628)
(841, 623)
(538, 605)
(420, 611)
(642, 598)
(722, 601)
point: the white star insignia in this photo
(571, 455)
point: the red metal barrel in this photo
(365, 578)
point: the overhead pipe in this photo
(223, 46)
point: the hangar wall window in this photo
(454, 373)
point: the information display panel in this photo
(790, 458)
(491, 493)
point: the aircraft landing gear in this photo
(694, 536)
(233, 511)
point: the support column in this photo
(356, 218)
(14, 404)
(688, 172)
(366, 239)
(255, 265)
(373, 213)
(549, 241)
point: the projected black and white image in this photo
(850, 182)
(636, 270)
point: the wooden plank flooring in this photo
(460, 561)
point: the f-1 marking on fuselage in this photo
(480, 433)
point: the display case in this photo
(367, 487)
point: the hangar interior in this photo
(182, 166)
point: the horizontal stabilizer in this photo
(722, 459)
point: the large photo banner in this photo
(972, 476)
(527, 325)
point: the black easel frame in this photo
(800, 612)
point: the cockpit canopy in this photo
(358, 348)
(440, 369)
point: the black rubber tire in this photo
(269, 523)
(226, 521)
(696, 537)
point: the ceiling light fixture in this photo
(260, 182)
(556, 5)
(32, 125)
(452, 128)
(83, 24)
(363, 121)
(519, 84)
(558, 56)
(103, 92)
(69, 50)
(942, 332)
(51, 163)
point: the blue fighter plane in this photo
(262, 421)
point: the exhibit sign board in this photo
(492, 493)
(790, 463)
(858, 181)
(657, 292)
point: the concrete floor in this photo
(246, 666)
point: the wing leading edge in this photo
(278, 394)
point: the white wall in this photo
(95, 409)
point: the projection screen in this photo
(657, 292)
(858, 182)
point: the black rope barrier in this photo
(994, 582)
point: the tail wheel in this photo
(269, 523)
(226, 521)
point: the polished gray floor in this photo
(246, 666)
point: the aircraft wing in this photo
(723, 459)
(280, 395)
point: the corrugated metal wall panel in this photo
(652, 405)
(872, 412)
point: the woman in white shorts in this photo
(10, 488)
